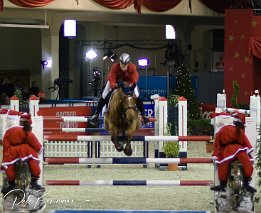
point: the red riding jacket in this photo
(131, 75)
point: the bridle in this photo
(133, 107)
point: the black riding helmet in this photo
(237, 120)
(125, 58)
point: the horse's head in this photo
(127, 101)
(126, 95)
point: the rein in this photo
(125, 109)
(129, 107)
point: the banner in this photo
(65, 111)
(158, 85)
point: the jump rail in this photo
(134, 138)
(126, 211)
(123, 160)
(85, 129)
(129, 182)
(77, 118)
(243, 111)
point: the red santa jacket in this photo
(228, 143)
(131, 75)
(19, 145)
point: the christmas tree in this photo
(184, 88)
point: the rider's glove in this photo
(119, 84)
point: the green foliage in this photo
(18, 94)
(173, 99)
(234, 100)
(170, 148)
(243, 106)
(173, 113)
(200, 126)
(184, 88)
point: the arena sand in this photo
(132, 197)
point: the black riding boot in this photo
(247, 186)
(11, 186)
(140, 107)
(34, 184)
(220, 187)
(94, 118)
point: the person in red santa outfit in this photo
(20, 143)
(231, 143)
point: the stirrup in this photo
(145, 119)
(94, 120)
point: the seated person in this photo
(19, 143)
(123, 71)
(231, 143)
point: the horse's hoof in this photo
(119, 147)
(128, 152)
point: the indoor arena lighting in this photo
(170, 32)
(143, 62)
(69, 28)
(90, 54)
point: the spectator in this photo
(4, 99)
(231, 143)
(20, 143)
(8, 87)
(34, 89)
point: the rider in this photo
(231, 143)
(123, 71)
(20, 143)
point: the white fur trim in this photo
(6, 164)
(232, 156)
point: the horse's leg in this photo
(114, 134)
(129, 133)
(135, 125)
(128, 149)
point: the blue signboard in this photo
(158, 85)
(149, 111)
(152, 85)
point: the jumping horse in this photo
(122, 118)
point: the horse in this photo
(122, 118)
